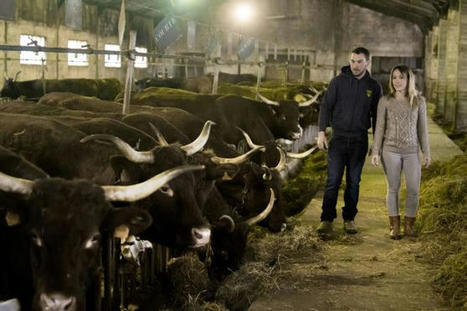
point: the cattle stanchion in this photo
(117, 280)
(107, 261)
(129, 74)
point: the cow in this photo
(59, 151)
(243, 79)
(64, 222)
(15, 279)
(249, 177)
(102, 88)
(201, 84)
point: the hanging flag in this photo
(212, 45)
(7, 9)
(245, 48)
(74, 14)
(166, 32)
(121, 23)
(191, 35)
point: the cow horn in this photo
(250, 143)
(282, 162)
(129, 152)
(267, 101)
(228, 220)
(16, 185)
(160, 138)
(265, 213)
(142, 190)
(17, 74)
(310, 101)
(313, 89)
(199, 142)
(237, 160)
(302, 154)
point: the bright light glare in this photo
(243, 12)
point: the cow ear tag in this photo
(12, 219)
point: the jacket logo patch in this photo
(368, 93)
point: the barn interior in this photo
(146, 53)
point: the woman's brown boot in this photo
(394, 226)
(409, 224)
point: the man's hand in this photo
(322, 142)
(375, 160)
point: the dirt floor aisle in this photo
(367, 271)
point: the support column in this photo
(441, 90)
(461, 107)
(431, 64)
(452, 62)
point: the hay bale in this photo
(299, 191)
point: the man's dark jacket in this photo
(350, 104)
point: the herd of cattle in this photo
(74, 171)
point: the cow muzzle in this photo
(201, 236)
(297, 135)
(57, 302)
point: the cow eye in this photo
(93, 241)
(36, 239)
(167, 191)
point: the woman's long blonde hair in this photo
(411, 90)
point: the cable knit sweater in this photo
(401, 128)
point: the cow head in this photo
(65, 221)
(286, 115)
(229, 240)
(178, 221)
(10, 88)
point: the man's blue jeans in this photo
(345, 153)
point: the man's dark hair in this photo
(362, 50)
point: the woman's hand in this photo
(375, 160)
(427, 161)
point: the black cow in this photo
(64, 222)
(57, 148)
(249, 190)
(101, 88)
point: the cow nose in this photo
(57, 302)
(201, 236)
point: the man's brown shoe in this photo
(324, 228)
(349, 227)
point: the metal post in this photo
(129, 74)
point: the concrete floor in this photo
(367, 271)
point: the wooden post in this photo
(215, 80)
(129, 73)
(258, 78)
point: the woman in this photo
(401, 130)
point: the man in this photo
(349, 106)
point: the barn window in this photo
(141, 61)
(112, 60)
(29, 57)
(77, 59)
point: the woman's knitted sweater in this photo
(401, 128)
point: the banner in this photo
(212, 45)
(166, 32)
(7, 9)
(191, 35)
(246, 48)
(74, 14)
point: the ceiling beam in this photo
(419, 12)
